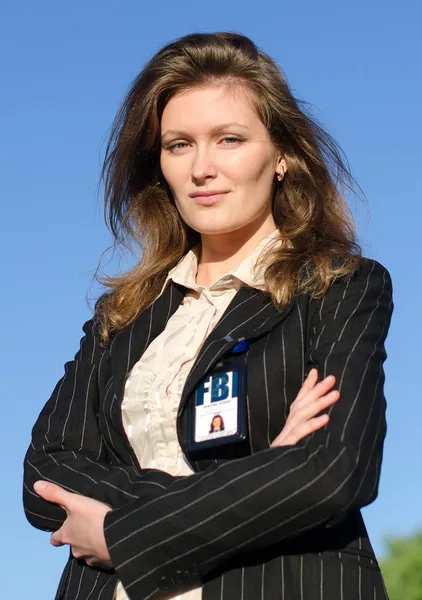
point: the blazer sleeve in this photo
(247, 504)
(69, 448)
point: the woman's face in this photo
(217, 423)
(213, 142)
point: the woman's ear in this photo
(281, 167)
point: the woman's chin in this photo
(215, 226)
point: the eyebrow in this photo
(214, 130)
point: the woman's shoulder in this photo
(369, 266)
(367, 272)
(92, 343)
(369, 284)
(370, 279)
(360, 303)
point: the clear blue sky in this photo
(64, 69)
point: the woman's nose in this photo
(203, 166)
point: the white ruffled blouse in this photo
(154, 386)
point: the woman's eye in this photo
(176, 146)
(231, 140)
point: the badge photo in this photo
(218, 413)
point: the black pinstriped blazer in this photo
(261, 523)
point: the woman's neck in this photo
(223, 252)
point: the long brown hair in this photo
(309, 208)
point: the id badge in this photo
(218, 414)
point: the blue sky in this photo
(65, 67)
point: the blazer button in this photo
(179, 577)
(164, 583)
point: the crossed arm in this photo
(334, 470)
(83, 529)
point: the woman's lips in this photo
(209, 200)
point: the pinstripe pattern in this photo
(321, 588)
(282, 522)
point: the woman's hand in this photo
(83, 529)
(312, 398)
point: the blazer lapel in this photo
(129, 345)
(250, 315)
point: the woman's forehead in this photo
(205, 109)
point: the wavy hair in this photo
(309, 207)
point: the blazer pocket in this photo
(358, 560)
(361, 577)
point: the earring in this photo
(280, 176)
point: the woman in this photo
(217, 424)
(249, 267)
